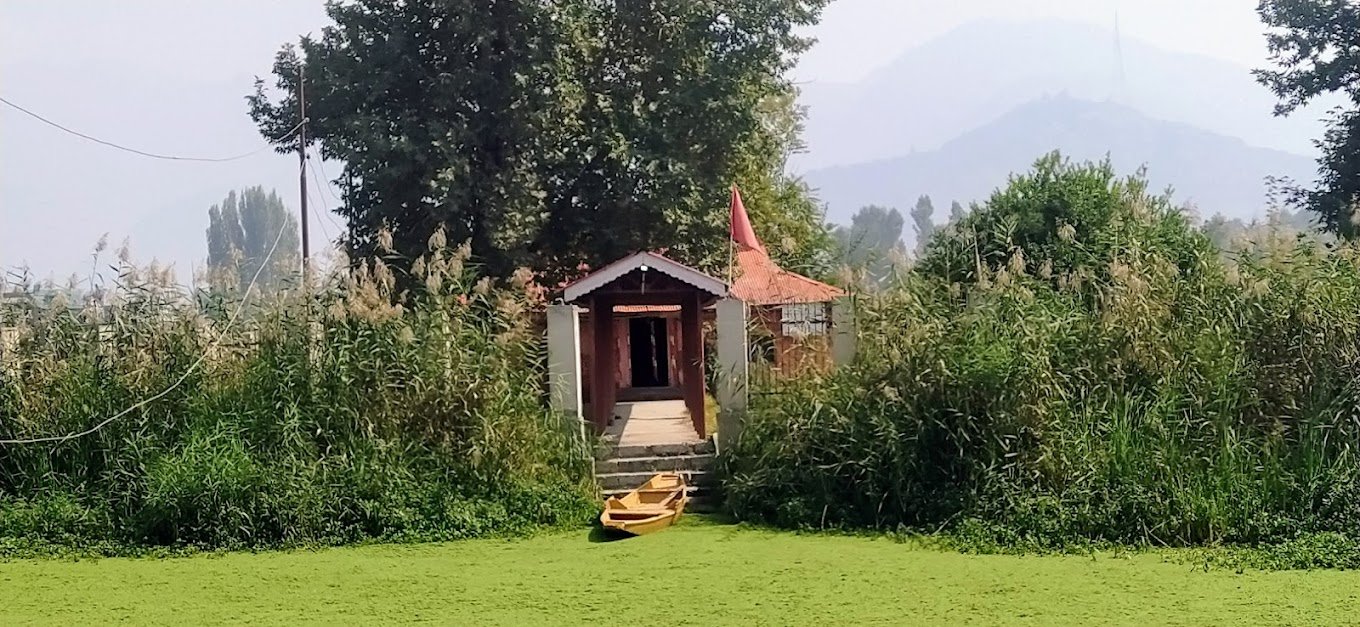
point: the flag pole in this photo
(731, 241)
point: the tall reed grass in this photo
(1104, 376)
(352, 414)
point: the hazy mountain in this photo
(979, 71)
(1213, 172)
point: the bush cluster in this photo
(333, 414)
(1075, 363)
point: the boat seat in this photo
(637, 516)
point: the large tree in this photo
(1315, 46)
(1064, 220)
(923, 222)
(956, 213)
(873, 241)
(556, 134)
(242, 233)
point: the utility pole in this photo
(302, 168)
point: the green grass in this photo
(695, 574)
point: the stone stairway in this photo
(623, 467)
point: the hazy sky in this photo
(169, 76)
(857, 36)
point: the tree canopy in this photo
(1064, 220)
(242, 231)
(873, 241)
(1315, 46)
(956, 213)
(558, 134)
(923, 222)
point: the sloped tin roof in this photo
(760, 281)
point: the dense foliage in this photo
(1234, 235)
(1036, 219)
(1315, 46)
(356, 414)
(245, 230)
(1076, 363)
(872, 244)
(556, 134)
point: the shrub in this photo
(348, 414)
(1132, 388)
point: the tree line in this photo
(559, 136)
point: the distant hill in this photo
(1213, 172)
(979, 71)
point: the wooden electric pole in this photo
(302, 168)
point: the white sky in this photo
(858, 36)
(105, 68)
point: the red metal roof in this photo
(760, 281)
(757, 279)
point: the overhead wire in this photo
(152, 155)
(192, 367)
(320, 165)
(231, 321)
(317, 214)
(245, 297)
(325, 189)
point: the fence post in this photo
(564, 363)
(732, 375)
(844, 335)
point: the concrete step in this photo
(694, 491)
(613, 451)
(702, 499)
(612, 482)
(654, 464)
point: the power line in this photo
(324, 211)
(152, 154)
(192, 367)
(320, 165)
(322, 189)
(324, 231)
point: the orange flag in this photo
(742, 233)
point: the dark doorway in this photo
(649, 353)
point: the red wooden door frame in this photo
(692, 358)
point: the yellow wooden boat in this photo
(653, 506)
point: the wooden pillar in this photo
(692, 344)
(603, 390)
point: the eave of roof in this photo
(652, 261)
